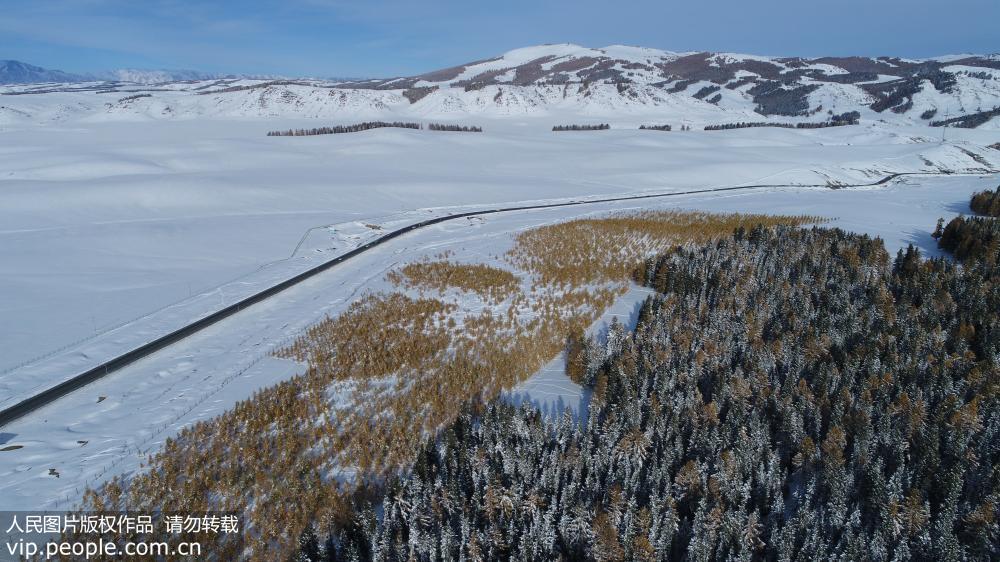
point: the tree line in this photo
(456, 128)
(970, 121)
(368, 125)
(835, 122)
(339, 129)
(986, 203)
(747, 125)
(655, 128)
(261, 85)
(970, 238)
(706, 91)
(980, 75)
(601, 127)
(134, 97)
(789, 394)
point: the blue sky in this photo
(399, 37)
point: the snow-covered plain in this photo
(116, 226)
(101, 223)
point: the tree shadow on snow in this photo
(922, 240)
(959, 208)
(553, 409)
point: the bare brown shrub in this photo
(583, 251)
(391, 370)
(488, 282)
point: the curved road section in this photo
(80, 380)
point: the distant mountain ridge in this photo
(17, 72)
(778, 85)
(634, 84)
(569, 63)
(139, 76)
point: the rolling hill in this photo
(627, 83)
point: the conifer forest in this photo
(788, 394)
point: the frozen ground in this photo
(143, 226)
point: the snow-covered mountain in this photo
(17, 72)
(138, 76)
(627, 84)
(776, 85)
(567, 63)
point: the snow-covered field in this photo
(103, 223)
(114, 230)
